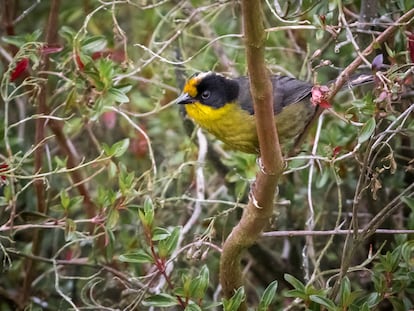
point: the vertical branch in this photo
(51, 33)
(260, 207)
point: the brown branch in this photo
(352, 242)
(51, 33)
(346, 73)
(294, 233)
(260, 207)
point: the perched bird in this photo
(224, 107)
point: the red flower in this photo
(320, 96)
(21, 66)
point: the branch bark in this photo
(51, 33)
(260, 207)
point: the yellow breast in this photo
(232, 125)
(237, 128)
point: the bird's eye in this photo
(205, 95)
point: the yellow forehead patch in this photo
(191, 87)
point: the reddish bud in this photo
(50, 49)
(109, 119)
(322, 19)
(336, 150)
(21, 66)
(3, 168)
(79, 62)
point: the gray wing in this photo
(288, 91)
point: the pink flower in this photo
(320, 96)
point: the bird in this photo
(223, 106)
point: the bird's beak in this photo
(184, 98)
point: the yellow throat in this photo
(230, 124)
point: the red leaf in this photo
(336, 150)
(79, 62)
(320, 96)
(411, 46)
(21, 66)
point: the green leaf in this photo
(192, 307)
(67, 33)
(94, 44)
(60, 163)
(167, 246)
(323, 301)
(397, 304)
(199, 285)
(146, 215)
(364, 307)
(159, 234)
(140, 256)
(345, 292)
(125, 180)
(295, 293)
(118, 96)
(235, 301)
(112, 169)
(20, 40)
(64, 199)
(319, 34)
(323, 179)
(409, 201)
(294, 282)
(120, 147)
(367, 130)
(161, 301)
(268, 296)
(112, 218)
(373, 299)
(70, 230)
(124, 88)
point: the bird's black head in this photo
(210, 89)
